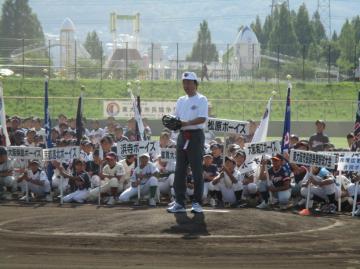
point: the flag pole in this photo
(79, 121)
(47, 127)
(285, 142)
(138, 136)
(3, 115)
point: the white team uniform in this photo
(110, 181)
(250, 188)
(228, 188)
(59, 182)
(87, 157)
(81, 193)
(166, 183)
(37, 189)
(7, 181)
(145, 183)
(321, 191)
(96, 135)
(128, 169)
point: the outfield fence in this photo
(240, 109)
(167, 60)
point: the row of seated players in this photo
(274, 181)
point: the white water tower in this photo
(247, 49)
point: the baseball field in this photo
(38, 235)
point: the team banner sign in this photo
(263, 148)
(61, 154)
(312, 158)
(249, 167)
(349, 164)
(25, 153)
(137, 147)
(228, 126)
(338, 154)
(168, 154)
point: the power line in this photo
(324, 9)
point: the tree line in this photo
(286, 32)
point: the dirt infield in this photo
(86, 236)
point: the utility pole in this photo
(276, 3)
(324, 10)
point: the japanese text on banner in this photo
(349, 164)
(228, 126)
(312, 159)
(61, 154)
(268, 148)
(137, 147)
(168, 154)
(25, 153)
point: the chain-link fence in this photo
(245, 74)
(69, 59)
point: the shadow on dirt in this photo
(190, 227)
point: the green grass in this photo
(338, 142)
(234, 100)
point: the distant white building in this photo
(155, 53)
(246, 48)
(70, 49)
(67, 46)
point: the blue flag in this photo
(285, 143)
(79, 121)
(47, 120)
(356, 144)
(47, 127)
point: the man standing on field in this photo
(192, 110)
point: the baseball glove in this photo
(171, 122)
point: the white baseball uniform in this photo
(145, 183)
(110, 181)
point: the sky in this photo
(173, 20)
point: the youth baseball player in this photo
(113, 182)
(227, 185)
(323, 189)
(7, 179)
(37, 182)
(144, 176)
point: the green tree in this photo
(203, 50)
(347, 47)
(330, 51)
(334, 36)
(266, 30)
(303, 29)
(283, 34)
(257, 28)
(18, 22)
(93, 45)
(318, 28)
(356, 25)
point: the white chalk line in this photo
(337, 223)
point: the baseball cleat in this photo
(196, 208)
(176, 208)
(263, 205)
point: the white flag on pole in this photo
(3, 117)
(137, 116)
(261, 131)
